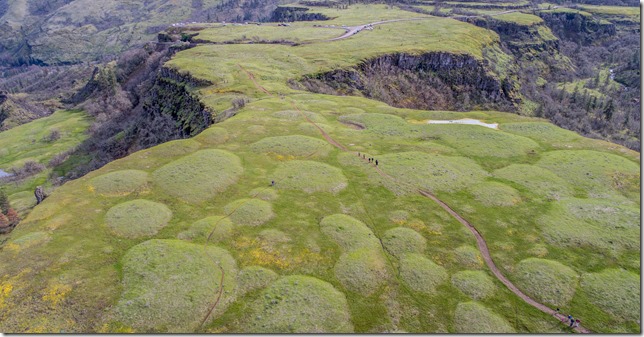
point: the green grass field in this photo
(519, 18)
(297, 32)
(334, 246)
(612, 10)
(29, 142)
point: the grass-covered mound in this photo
(294, 115)
(119, 183)
(615, 291)
(362, 271)
(477, 141)
(295, 145)
(255, 277)
(379, 124)
(263, 193)
(597, 223)
(474, 283)
(299, 304)
(591, 171)
(213, 136)
(421, 274)
(536, 180)
(469, 257)
(27, 241)
(22, 201)
(492, 193)
(547, 281)
(401, 240)
(312, 130)
(432, 172)
(220, 227)
(137, 218)
(541, 132)
(309, 177)
(174, 148)
(169, 285)
(273, 237)
(348, 232)
(473, 317)
(199, 176)
(399, 217)
(249, 212)
(84, 254)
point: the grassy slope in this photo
(612, 10)
(520, 18)
(26, 143)
(46, 278)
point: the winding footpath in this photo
(482, 245)
(353, 30)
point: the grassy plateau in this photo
(261, 225)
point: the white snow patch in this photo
(465, 121)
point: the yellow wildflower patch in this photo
(12, 247)
(56, 293)
(5, 290)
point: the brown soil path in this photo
(353, 30)
(483, 248)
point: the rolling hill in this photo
(277, 220)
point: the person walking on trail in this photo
(272, 182)
(572, 320)
(376, 162)
(577, 322)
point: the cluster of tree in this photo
(136, 104)
(290, 14)
(576, 27)
(597, 54)
(597, 117)
(28, 169)
(8, 216)
(31, 92)
(242, 10)
(615, 115)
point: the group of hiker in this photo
(574, 323)
(371, 160)
(363, 156)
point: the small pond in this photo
(466, 121)
(4, 174)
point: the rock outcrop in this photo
(435, 80)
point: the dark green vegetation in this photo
(576, 65)
(192, 237)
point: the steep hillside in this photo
(277, 220)
(72, 31)
(29, 153)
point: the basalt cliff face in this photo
(437, 80)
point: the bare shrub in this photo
(53, 136)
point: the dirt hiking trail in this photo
(482, 245)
